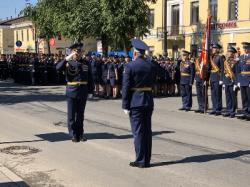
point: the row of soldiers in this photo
(230, 73)
(107, 72)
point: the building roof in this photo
(14, 20)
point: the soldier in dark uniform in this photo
(187, 71)
(216, 79)
(96, 68)
(200, 84)
(79, 85)
(244, 80)
(113, 76)
(106, 77)
(138, 102)
(230, 82)
(34, 62)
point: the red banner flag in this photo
(205, 55)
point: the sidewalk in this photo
(10, 179)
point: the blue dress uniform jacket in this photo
(187, 71)
(244, 80)
(138, 74)
(79, 84)
(77, 72)
(230, 80)
(138, 80)
(217, 71)
(200, 88)
(244, 70)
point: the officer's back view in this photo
(138, 102)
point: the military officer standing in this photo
(230, 82)
(79, 85)
(216, 79)
(138, 102)
(244, 80)
(187, 70)
(200, 85)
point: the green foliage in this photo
(115, 21)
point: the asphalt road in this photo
(188, 149)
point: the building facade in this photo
(22, 30)
(179, 24)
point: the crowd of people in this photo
(173, 77)
(107, 72)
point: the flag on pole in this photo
(205, 54)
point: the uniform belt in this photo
(214, 71)
(245, 72)
(185, 74)
(143, 89)
(77, 83)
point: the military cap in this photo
(232, 49)
(76, 46)
(200, 50)
(184, 52)
(139, 45)
(216, 46)
(116, 56)
(246, 45)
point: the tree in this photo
(115, 22)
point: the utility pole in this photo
(165, 32)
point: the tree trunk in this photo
(49, 50)
(104, 39)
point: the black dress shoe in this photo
(182, 109)
(242, 117)
(226, 115)
(232, 115)
(136, 164)
(75, 139)
(198, 111)
(212, 113)
(188, 110)
(217, 113)
(83, 139)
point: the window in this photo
(22, 35)
(151, 18)
(175, 19)
(194, 12)
(233, 10)
(28, 36)
(17, 38)
(213, 4)
(33, 34)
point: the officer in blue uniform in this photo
(216, 79)
(96, 67)
(79, 85)
(244, 80)
(200, 85)
(187, 71)
(137, 101)
(230, 82)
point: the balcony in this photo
(172, 31)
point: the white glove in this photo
(235, 87)
(221, 82)
(238, 84)
(205, 83)
(126, 112)
(223, 86)
(90, 96)
(249, 85)
(68, 58)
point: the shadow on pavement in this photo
(14, 184)
(11, 93)
(204, 158)
(59, 137)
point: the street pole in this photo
(165, 32)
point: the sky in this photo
(12, 8)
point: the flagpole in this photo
(206, 77)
